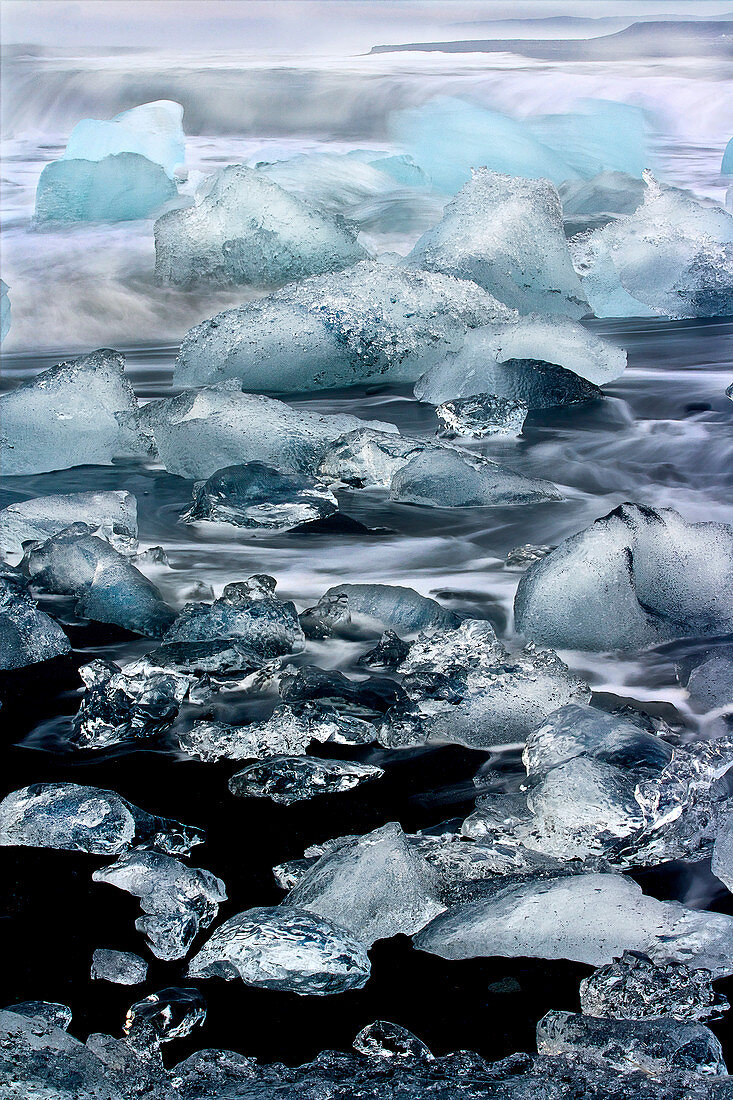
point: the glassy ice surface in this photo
(118, 967)
(4, 309)
(284, 948)
(365, 458)
(449, 479)
(722, 862)
(288, 779)
(79, 412)
(256, 495)
(154, 130)
(170, 1014)
(112, 515)
(522, 556)
(51, 1013)
(635, 988)
(375, 322)
(132, 702)
(391, 1043)
(27, 634)
(377, 607)
(481, 415)
(118, 188)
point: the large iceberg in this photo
(373, 323)
(452, 479)
(112, 515)
(636, 577)
(246, 230)
(82, 411)
(154, 130)
(119, 188)
(506, 234)
(198, 433)
(27, 634)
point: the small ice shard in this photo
(198, 433)
(722, 861)
(452, 479)
(635, 988)
(288, 779)
(673, 256)
(636, 577)
(506, 234)
(52, 1013)
(522, 556)
(329, 616)
(590, 918)
(118, 967)
(391, 1043)
(256, 495)
(69, 817)
(389, 652)
(379, 607)
(579, 730)
(374, 886)
(284, 948)
(177, 900)
(125, 703)
(329, 688)
(373, 323)
(77, 413)
(118, 188)
(369, 458)
(154, 130)
(112, 515)
(481, 415)
(108, 588)
(27, 634)
(171, 1013)
(247, 230)
(652, 1046)
(4, 310)
(247, 611)
(541, 360)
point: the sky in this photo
(297, 25)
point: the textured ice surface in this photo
(171, 1013)
(52, 1013)
(635, 988)
(481, 415)
(255, 495)
(288, 779)
(389, 652)
(653, 1046)
(372, 323)
(506, 234)
(673, 257)
(368, 458)
(119, 967)
(452, 479)
(69, 817)
(202, 432)
(284, 948)
(471, 644)
(591, 204)
(247, 230)
(633, 578)
(722, 862)
(154, 130)
(248, 611)
(39, 1060)
(4, 309)
(710, 681)
(27, 634)
(309, 685)
(136, 701)
(177, 900)
(522, 556)
(375, 886)
(113, 515)
(391, 1043)
(109, 589)
(119, 188)
(590, 918)
(82, 411)
(379, 607)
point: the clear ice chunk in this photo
(375, 886)
(389, 652)
(284, 948)
(52, 1013)
(369, 458)
(288, 779)
(118, 967)
(154, 130)
(256, 495)
(379, 607)
(391, 1043)
(4, 309)
(170, 1013)
(247, 230)
(112, 515)
(82, 411)
(589, 918)
(119, 188)
(329, 616)
(481, 415)
(177, 900)
(69, 817)
(522, 556)
(40, 1060)
(652, 1046)
(125, 703)
(636, 577)
(722, 861)
(451, 479)
(367, 698)
(373, 323)
(506, 234)
(27, 634)
(636, 988)
(198, 433)
(592, 204)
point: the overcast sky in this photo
(294, 25)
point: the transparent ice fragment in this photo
(118, 188)
(177, 900)
(481, 415)
(4, 310)
(379, 607)
(27, 634)
(330, 615)
(77, 413)
(52, 1013)
(171, 1013)
(522, 556)
(256, 495)
(119, 967)
(363, 698)
(288, 779)
(389, 652)
(369, 458)
(452, 479)
(67, 816)
(136, 701)
(636, 988)
(112, 515)
(284, 948)
(392, 1043)
(591, 204)
(154, 130)
(722, 862)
